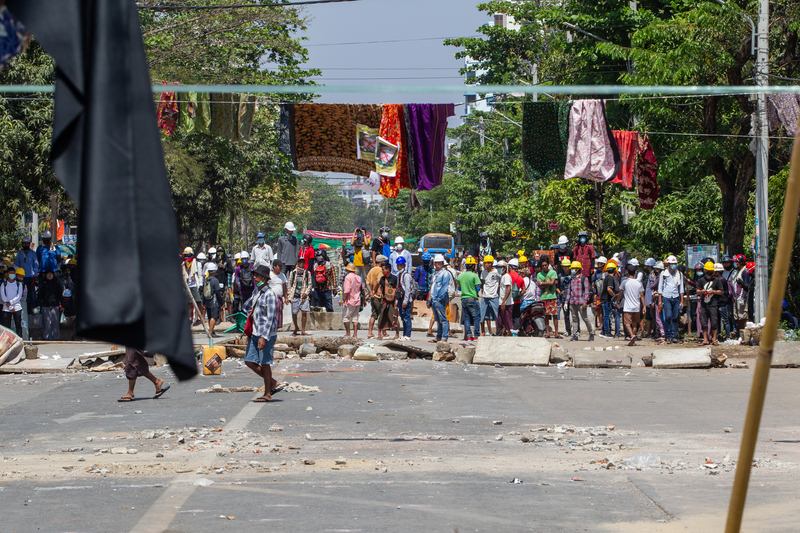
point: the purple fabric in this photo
(427, 127)
(785, 107)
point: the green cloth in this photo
(469, 282)
(545, 135)
(187, 111)
(202, 116)
(548, 293)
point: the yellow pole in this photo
(755, 407)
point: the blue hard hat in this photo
(426, 256)
(260, 235)
(401, 260)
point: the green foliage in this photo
(329, 211)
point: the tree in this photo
(675, 43)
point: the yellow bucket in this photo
(212, 360)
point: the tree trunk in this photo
(231, 216)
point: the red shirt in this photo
(307, 253)
(584, 253)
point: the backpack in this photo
(246, 280)
(451, 287)
(401, 292)
(208, 294)
(320, 277)
(516, 293)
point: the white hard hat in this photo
(399, 240)
(615, 256)
(659, 266)
(212, 267)
(563, 240)
(188, 250)
(514, 262)
(201, 256)
(634, 262)
(718, 267)
(438, 258)
(671, 259)
(650, 262)
(237, 256)
(601, 260)
(244, 255)
(289, 227)
(501, 263)
(212, 250)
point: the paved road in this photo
(419, 445)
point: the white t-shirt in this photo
(490, 281)
(276, 283)
(505, 289)
(631, 291)
(532, 292)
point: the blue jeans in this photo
(405, 315)
(489, 309)
(472, 316)
(672, 311)
(324, 299)
(608, 309)
(442, 324)
(726, 319)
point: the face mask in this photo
(189, 259)
(574, 271)
(260, 241)
(244, 261)
(260, 284)
(673, 267)
(385, 235)
(583, 240)
(562, 246)
(698, 273)
(26, 246)
(12, 277)
(399, 247)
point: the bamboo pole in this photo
(197, 310)
(755, 407)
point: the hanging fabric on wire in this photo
(187, 111)
(409, 149)
(13, 37)
(393, 130)
(592, 152)
(285, 133)
(325, 137)
(427, 129)
(202, 115)
(167, 111)
(628, 144)
(783, 109)
(646, 173)
(386, 159)
(545, 133)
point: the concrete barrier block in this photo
(682, 358)
(512, 351)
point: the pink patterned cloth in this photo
(783, 109)
(592, 152)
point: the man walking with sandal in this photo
(262, 308)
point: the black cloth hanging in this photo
(107, 154)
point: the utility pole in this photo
(762, 164)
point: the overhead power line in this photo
(174, 7)
(391, 41)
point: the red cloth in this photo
(167, 112)
(393, 129)
(646, 173)
(628, 143)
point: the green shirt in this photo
(469, 283)
(548, 293)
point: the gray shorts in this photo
(301, 305)
(194, 296)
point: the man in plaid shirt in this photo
(259, 353)
(579, 295)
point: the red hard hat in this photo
(751, 267)
(739, 258)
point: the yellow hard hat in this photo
(523, 259)
(709, 266)
(21, 272)
(576, 264)
(471, 260)
(520, 252)
(565, 262)
(488, 259)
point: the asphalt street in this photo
(394, 446)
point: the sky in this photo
(419, 58)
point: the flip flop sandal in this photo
(125, 399)
(279, 388)
(160, 393)
(261, 399)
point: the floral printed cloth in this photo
(783, 109)
(545, 132)
(592, 152)
(646, 173)
(393, 129)
(167, 112)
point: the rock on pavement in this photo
(512, 351)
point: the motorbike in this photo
(532, 322)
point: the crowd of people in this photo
(40, 281)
